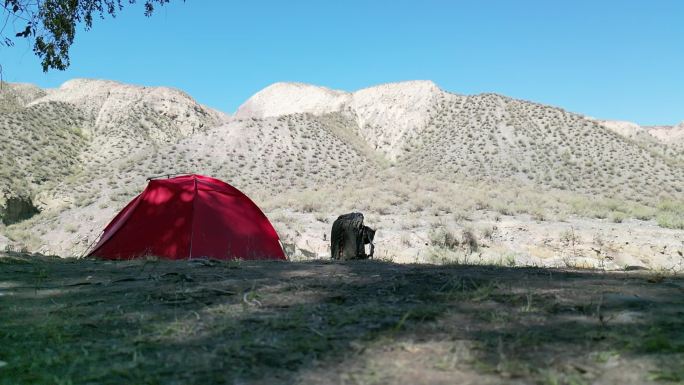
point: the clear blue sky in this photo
(613, 59)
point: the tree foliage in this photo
(52, 24)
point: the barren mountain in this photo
(499, 138)
(53, 136)
(422, 163)
(41, 144)
(427, 130)
(161, 113)
(121, 118)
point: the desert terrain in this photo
(517, 243)
(441, 176)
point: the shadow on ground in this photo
(153, 322)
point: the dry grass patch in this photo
(151, 321)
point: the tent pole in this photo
(168, 175)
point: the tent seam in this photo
(192, 218)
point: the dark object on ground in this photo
(349, 236)
(17, 209)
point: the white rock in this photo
(668, 134)
(387, 114)
(623, 128)
(292, 98)
(390, 113)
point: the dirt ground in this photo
(67, 321)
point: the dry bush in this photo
(443, 238)
(469, 239)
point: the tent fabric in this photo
(190, 216)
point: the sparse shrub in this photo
(504, 210)
(321, 217)
(670, 220)
(444, 238)
(469, 239)
(538, 216)
(461, 215)
(643, 213)
(671, 206)
(568, 238)
(482, 205)
(310, 203)
(488, 232)
(510, 260)
(671, 214)
(600, 214)
(618, 217)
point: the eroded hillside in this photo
(499, 138)
(444, 176)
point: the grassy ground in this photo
(160, 322)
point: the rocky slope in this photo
(53, 136)
(420, 127)
(17, 95)
(499, 138)
(384, 115)
(160, 113)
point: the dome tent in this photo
(190, 216)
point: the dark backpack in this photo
(349, 236)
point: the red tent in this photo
(190, 216)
